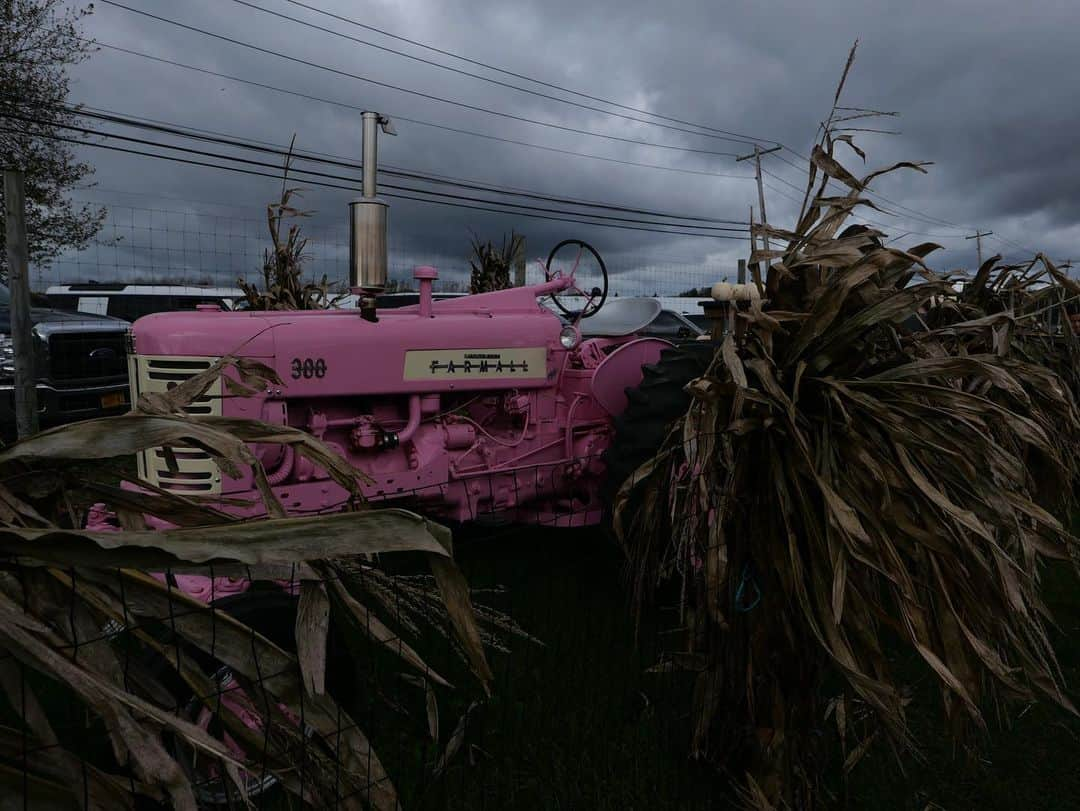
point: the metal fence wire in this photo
(342, 685)
(339, 683)
(178, 245)
(129, 687)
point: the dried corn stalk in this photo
(77, 608)
(283, 263)
(879, 460)
(491, 265)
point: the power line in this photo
(427, 175)
(283, 153)
(398, 117)
(783, 194)
(874, 222)
(324, 184)
(731, 137)
(744, 138)
(912, 213)
(1016, 245)
(83, 108)
(162, 196)
(861, 217)
(918, 216)
(410, 91)
(908, 232)
(534, 80)
(783, 180)
(339, 161)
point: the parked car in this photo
(132, 301)
(674, 326)
(80, 364)
(675, 322)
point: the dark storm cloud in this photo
(986, 90)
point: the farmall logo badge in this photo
(475, 364)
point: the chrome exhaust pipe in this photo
(368, 222)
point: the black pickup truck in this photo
(80, 365)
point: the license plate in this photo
(113, 399)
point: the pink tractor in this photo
(487, 404)
(474, 406)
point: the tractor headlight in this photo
(569, 337)
(7, 356)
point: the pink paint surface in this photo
(526, 447)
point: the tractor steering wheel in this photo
(595, 298)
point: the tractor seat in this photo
(620, 316)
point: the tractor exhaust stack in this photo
(367, 223)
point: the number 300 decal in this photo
(308, 368)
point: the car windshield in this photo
(5, 297)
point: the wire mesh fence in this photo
(128, 685)
(176, 256)
(211, 680)
(173, 245)
(222, 684)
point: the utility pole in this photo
(756, 155)
(22, 339)
(753, 240)
(977, 236)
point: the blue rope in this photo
(747, 578)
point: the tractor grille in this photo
(196, 472)
(80, 357)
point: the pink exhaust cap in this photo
(425, 274)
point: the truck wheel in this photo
(651, 408)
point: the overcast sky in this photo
(986, 90)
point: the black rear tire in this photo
(652, 407)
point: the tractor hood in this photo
(475, 342)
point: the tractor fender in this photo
(622, 370)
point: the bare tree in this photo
(39, 41)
